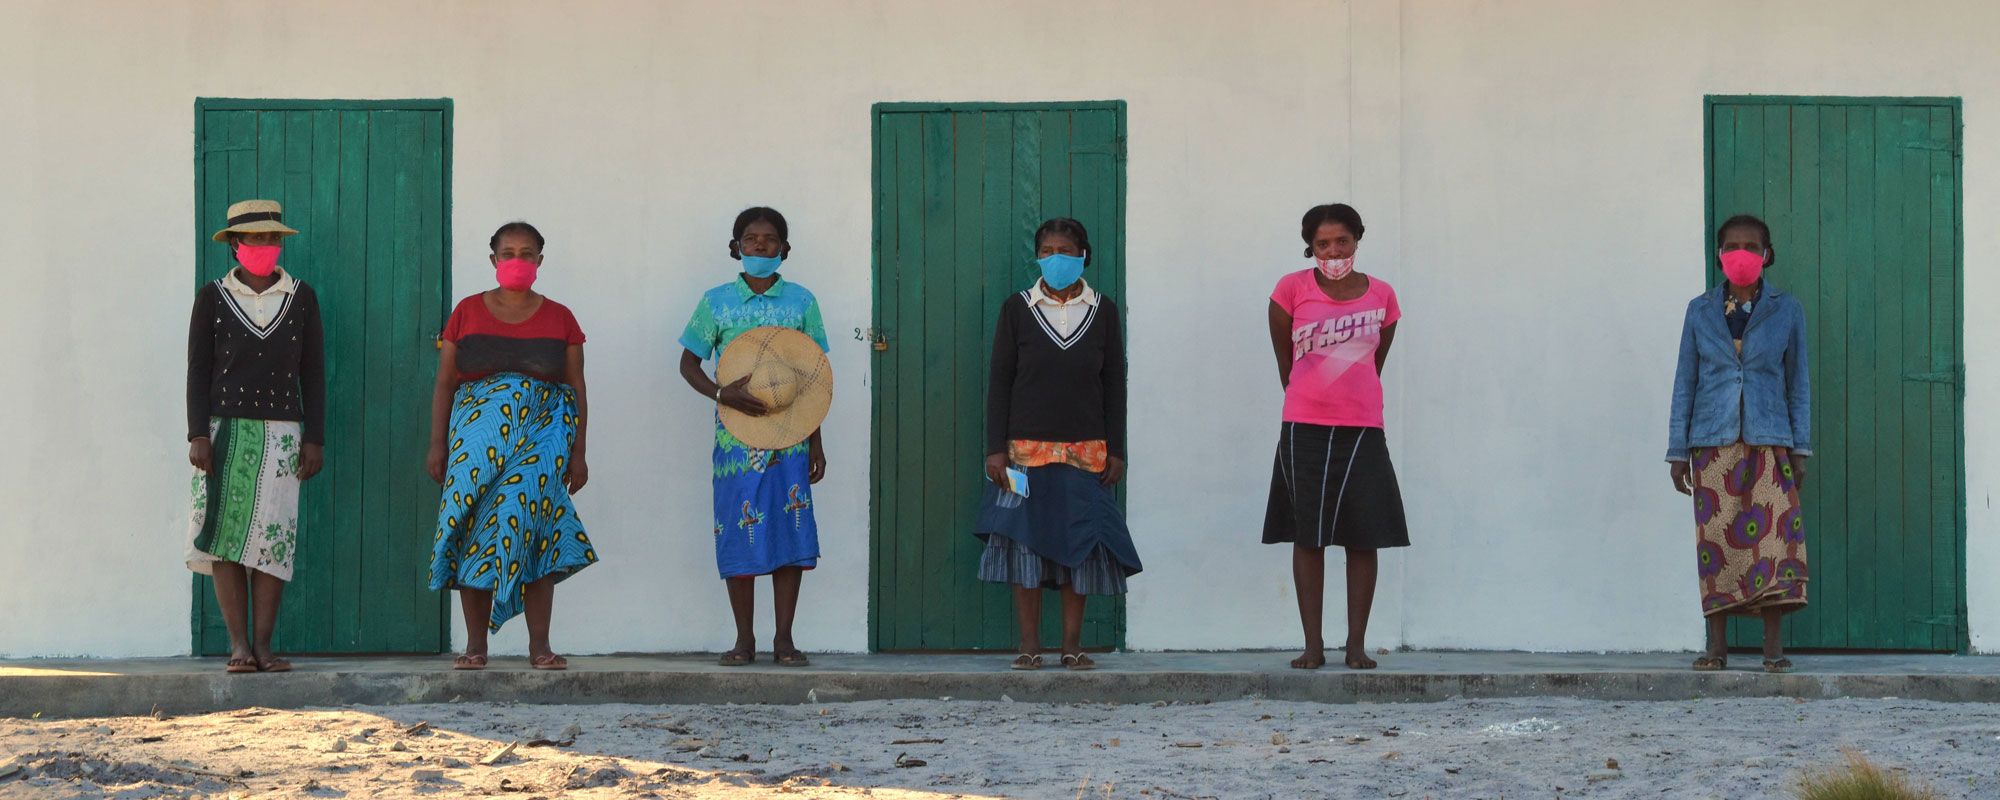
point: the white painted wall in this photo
(1496, 150)
(1552, 151)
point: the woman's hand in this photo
(311, 458)
(1114, 471)
(1799, 470)
(199, 453)
(737, 396)
(577, 474)
(996, 469)
(1678, 470)
(817, 459)
(434, 462)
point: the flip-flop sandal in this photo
(737, 658)
(1027, 662)
(1710, 664)
(550, 662)
(1777, 666)
(239, 666)
(1078, 662)
(274, 664)
(791, 658)
(469, 663)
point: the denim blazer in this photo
(1761, 397)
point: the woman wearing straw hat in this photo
(256, 391)
(507, 432)
(771, 391)
(1055, 420)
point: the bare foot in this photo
(1313, 658)
(1357, 658)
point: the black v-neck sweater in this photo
(235, 370)
(1048, 390)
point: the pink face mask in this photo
(258, 259)
(516, 274)
(1742, 267)
(1335, 269)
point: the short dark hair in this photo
(1339, 213)
(516, 226)
(1069, 227)
(760, 214)
(1749, 221)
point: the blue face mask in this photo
(761, 266)
(1059, 271)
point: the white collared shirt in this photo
(260, 307)
(1062, 316)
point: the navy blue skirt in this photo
(1069, 520)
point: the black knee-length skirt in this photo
(1334, 487)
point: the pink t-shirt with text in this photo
(1334, 381)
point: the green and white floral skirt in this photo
(246, 509)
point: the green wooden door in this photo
(1862, 195)
(959, 191)
(366, 184)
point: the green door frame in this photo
(877, 111)
(1713, 273)
(443, 105)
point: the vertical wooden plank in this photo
(1948, 568)
(228, 136)
(911, 282)
(1001, 257)
(1825, 491)
(940, 274)
(344, 311)
(305, 623)
(1800, 275)
(1865, 527)
(389, 264)
(1056, 137)
(971, 356)
(1906, 349)
(1743, 193)
(885, 540)
(419, 311)
(1093, 195)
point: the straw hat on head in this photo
(788, 372)
(255, 216)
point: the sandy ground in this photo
(1532, 748)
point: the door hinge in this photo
(1952, 145)
(1953, 376)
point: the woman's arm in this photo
(1798, 389)
(201, 363)
(578, 472)
(736, 395)
(1678, 416)
(1382, 350)
(312, 389)
(1113, 378)
(1000, 394)
(441, 392)
(1281, 342)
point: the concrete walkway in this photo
(73, 688)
